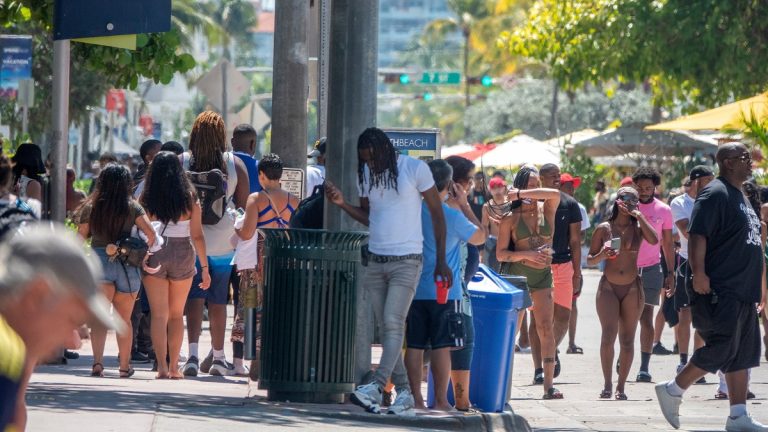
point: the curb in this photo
(483, 422)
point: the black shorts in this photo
(433, 325)
(730, 331)
(683, 284)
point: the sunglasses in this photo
(627, 198)
(745, 157)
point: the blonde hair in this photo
(208, 142)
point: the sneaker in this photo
(404, 404)
(388, 398)
(660, 349)
(644, 376)
(538, 376)
(670, 405)
(139, 357)
(191, 367)
(221, 368)
(744, 423)
(241, 370)
(71, 355)
(369, 397)
(205, 365)
(680, 367)
(701, 380)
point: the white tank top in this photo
(217, 236)
(177, 230)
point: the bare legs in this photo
(543, 311)
(562, 318)
(440, 361)
(167, 299)
(123, 304)
(572, 323)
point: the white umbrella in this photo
(519, 150)
(455, 149)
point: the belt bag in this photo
(131, 251)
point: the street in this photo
(66, 398)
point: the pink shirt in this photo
(659, 215)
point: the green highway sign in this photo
(440, 78)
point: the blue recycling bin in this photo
(495, 306)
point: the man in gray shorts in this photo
(659, 215)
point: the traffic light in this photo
(405, 79)
(396, 78)
(426, 96)
(486, 81)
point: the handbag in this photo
(131, 251)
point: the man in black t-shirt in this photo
(726, 259)
(566, 260)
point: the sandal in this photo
(538, 376)
(573, 349)
(97, 373)
(750, 395)
(469, 411)
(605, 394)
(620, 396)
(721, 395)
(552, 393)
(127, 373)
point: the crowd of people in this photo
(181, 235)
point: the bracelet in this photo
(205, 266)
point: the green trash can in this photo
(308, 322)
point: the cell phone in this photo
(616, 243)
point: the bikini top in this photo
(537, 238)
(282, 222)
(637, 238)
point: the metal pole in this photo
(322, 99)
(58, 196)
(24, 119)
(289, 94)
(353, 56)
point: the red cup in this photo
(442, 288)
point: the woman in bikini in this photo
(273, 207)
(529, 228)
(620, 297)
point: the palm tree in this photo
(480, 22)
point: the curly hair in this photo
(208, 142)
(168, 193)
(111, 201)
(383, 164)
(272, 166)
(647, 173)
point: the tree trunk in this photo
(553, 127)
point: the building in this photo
(400, 21)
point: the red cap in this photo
(627, 181)
(496, 183)
(567, 178)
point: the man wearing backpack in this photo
(316, 173)
(221, 180)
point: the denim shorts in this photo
(220, 269)
(125, 278)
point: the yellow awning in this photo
(717, 118)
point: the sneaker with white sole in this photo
(205, 365)
(222, 368)
(368, 396)
(191, 367)
(744, 423)
(404, 404)
(241, 370)
(670, 405)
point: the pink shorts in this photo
(562, 278)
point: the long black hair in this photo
(382, 168)
(752, 190)
(168, 193)
(111, 202)
(28, 158)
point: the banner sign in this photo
(94, 18)
(419, 143)
(15, 63)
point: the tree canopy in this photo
(707, 50)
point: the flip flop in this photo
(721, 395)
(750, 395)
(605, 394)
(552, 393)
(573, 349)
(621, 396)
(127, 373)
(100, 372)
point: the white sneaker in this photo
(241, 370)
(404, 404)
(744, 423)
(670, 405)
(221, 368)
(368, 396)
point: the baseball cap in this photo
(496, 183)
(567, 178)
(53, 251)
(627, 181)
(700, 171)
(319, 148)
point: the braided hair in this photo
(382, 167)
(521, 182)
(208, 142)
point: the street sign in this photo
(440, 78)
(16, 63)
(292, 181)
(211, 84)
(92, 18)
(419, 143)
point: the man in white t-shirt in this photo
(316, 173)
(682, 208)
(391, 187)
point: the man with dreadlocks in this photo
(391, 186)
(207, 152)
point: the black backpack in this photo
(14, 215)
(211, 189)
(309, 214)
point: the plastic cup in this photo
(442, 289)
